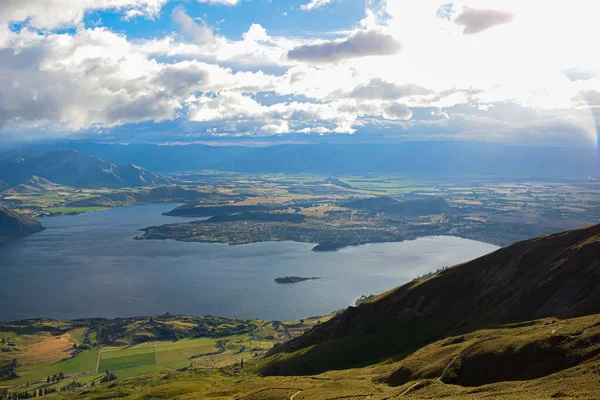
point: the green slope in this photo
(556, 275)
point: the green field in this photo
(118, 352)
(83, 350)
(183, 349)
(127, 361)
(153, 368)
(84, 363)
(154, 356)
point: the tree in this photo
(108, 376)
(61, 376)
(48, 380)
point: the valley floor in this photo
(513, 371)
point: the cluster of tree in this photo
(429, 274)
(6, 395)
(7, 371)
(109, 333)
(72, 385)
(79, 348)
(209, 328)
(108, 376)
(55, 378)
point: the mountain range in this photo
(72, 168)
(420, 159)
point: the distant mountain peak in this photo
(73, 168)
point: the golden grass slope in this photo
(493, 363)
(556, 275)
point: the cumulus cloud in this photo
(360, 44)
(589, 97)
(220, 2)
(81, 80)
(84, 80)
(380, 89)
(96, 78)
(314, 4)
(250, 117)
(199, 32)
(478, 20)
(183, 78)
(256, 33)
(45, 14)
(579, 74)
(398, 111)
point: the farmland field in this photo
(127, 361)
(147, 354)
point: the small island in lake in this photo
(295, 279)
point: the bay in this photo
(88, 265)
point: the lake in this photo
(88, 265)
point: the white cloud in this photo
(199, 32)
(398, 111)
(579, 74)
(510, 84)
(256, 33)
(96, 78)
(221, 2)
(380, 89)
(46, 14)
(360, 44)
(314, 4)
(256, 48)
(477, 20)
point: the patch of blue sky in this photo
(279, 18)
(17, 26)
(272, 98)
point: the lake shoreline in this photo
(93, 258)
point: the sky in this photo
(267, 71)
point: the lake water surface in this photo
(89, 266)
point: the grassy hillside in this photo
(14, 225)
(556, 275)
(523, 322)
(83, 349)
(443, 369)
